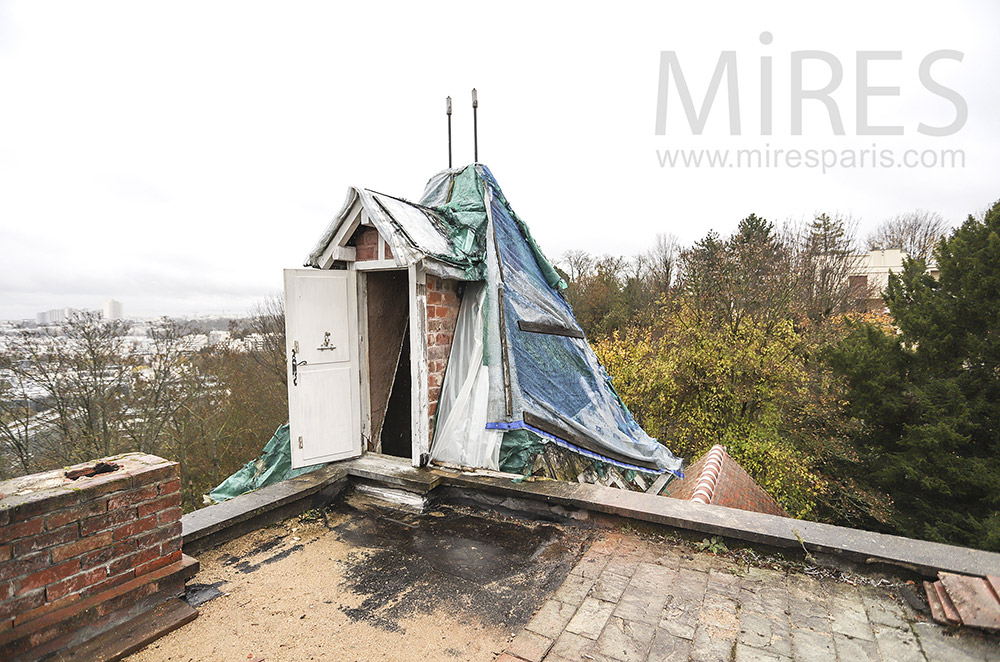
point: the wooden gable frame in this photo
(338, 250)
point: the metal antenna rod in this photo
(449, 131)
(475, 127)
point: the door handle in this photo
(295, 369)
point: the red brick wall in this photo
(734, 488)
(366, 243)
(443, 302)
(67, 540)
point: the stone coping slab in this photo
(926, 558)
(921, 556)
(215, 519)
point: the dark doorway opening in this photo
(396, 436)
(389, 362)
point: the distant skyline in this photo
(177, 156)
(103, 310)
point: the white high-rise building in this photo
(55, 316)
(113, 310)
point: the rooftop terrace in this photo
(478, 568)
(373, 559)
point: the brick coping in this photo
(24, 496)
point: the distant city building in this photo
(871, 275)
(194, 342)
(113, 310)
(216, 337)
(55, 316)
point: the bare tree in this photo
(661, 261)
(82, 392)
(916, 233)
(267, 321)
(826, 256)
(160, 385)
(17, 411)
(579, 264)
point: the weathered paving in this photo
(632, 600)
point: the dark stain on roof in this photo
(492, 570)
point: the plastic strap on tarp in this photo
(521, 425)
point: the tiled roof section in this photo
(718, 479)
(964, 600)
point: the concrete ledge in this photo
(921, 556)
(214, 525)
(392, 471)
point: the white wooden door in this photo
(324, 390)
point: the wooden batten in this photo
(419, 413)
(366, 404)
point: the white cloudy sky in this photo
(177, 155)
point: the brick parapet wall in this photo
(443, 303)
(734, 488)
(64, 541)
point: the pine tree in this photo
(930, 396)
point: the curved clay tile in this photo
(705, 488)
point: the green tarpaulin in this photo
(273, 466)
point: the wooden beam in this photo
(505, 361)
(659, 483)
(378, 265)
(419, 400)
(366, 405)
(550, 329)
(335, 253)
(351, 222)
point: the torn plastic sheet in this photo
(447, 227)
(521, 425)
(518, 449)
(461, 435)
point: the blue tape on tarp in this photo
(521, 425)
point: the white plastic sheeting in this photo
(460, 435)
(410, 226)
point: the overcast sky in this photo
(177, 156)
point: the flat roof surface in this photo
(634, 599)
(364, 582)
(360, 581)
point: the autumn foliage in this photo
(728, 350)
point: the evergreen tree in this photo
(929, 396)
